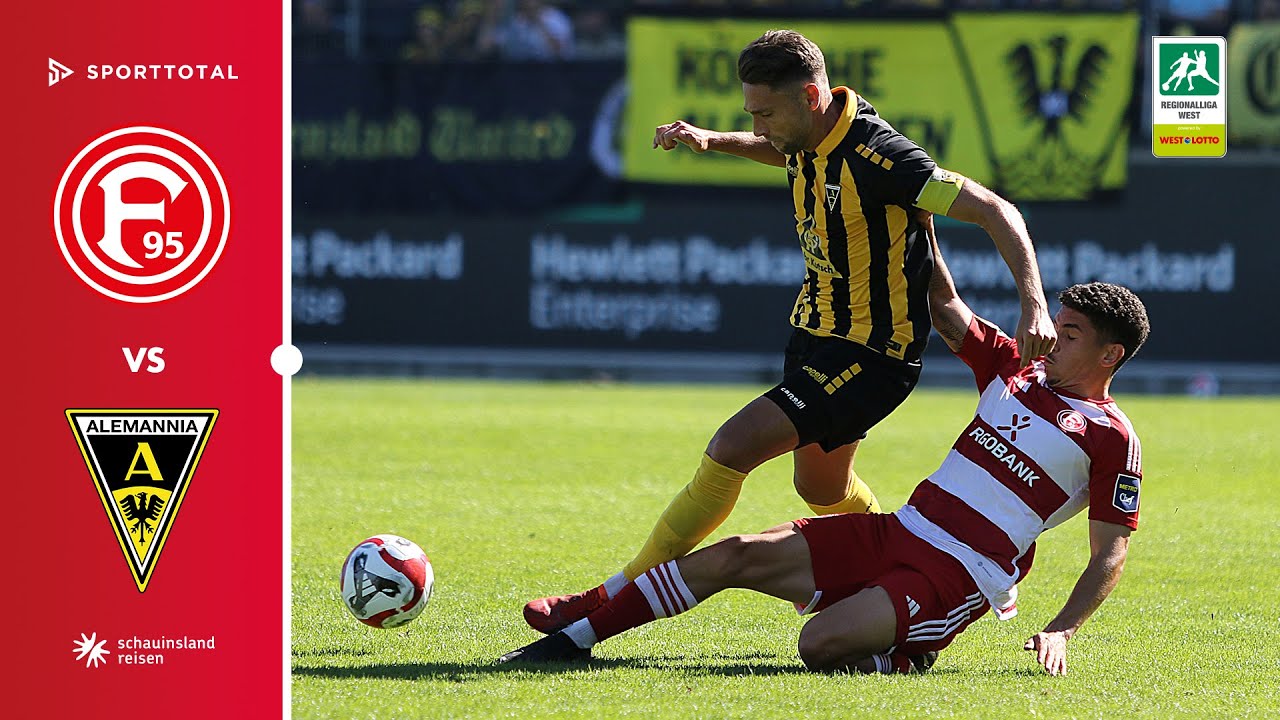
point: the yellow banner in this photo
(1054, 91)
(688, 70)
(1253, 82)
(946, 84)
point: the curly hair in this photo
(781, 57)
(1115, 311)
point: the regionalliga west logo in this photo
(141, 463)
(1181, 65)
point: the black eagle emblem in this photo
(142, 510)
(1067, 94)
(1047, 165)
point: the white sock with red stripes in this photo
(658, 593)
(884, 663)
(665, 590)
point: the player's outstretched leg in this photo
(759, 432)
(552, 614)
(775, 562)
(699, 508)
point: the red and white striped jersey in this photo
(1031, 458)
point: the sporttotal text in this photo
(161, 72)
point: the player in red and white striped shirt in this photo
(891, 590)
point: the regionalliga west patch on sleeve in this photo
(940, 191)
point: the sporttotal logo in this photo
(1189, 97)
(141, 214)
(58, 72)
(151, 71)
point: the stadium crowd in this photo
(433, 31)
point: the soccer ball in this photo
(386, 581)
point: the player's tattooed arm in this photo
(950, 315)
(973, 203)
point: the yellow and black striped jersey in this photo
(867, 260)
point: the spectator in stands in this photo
(314, 29)
(1194, 17)
(596, 37)
(427, 45)
(913, 5)
(534, 30)
(313, 14)
(462, 32)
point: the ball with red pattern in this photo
(386, 581)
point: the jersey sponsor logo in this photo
(1126, 494)
(1005, 454)
(141, 463)
(136, 251)
(811, 245)
(833, 196)
(1016, 423)
(1072, 421)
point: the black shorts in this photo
(834, 390)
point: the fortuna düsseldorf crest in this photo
(142, 214)
(141, 462)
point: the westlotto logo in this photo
(1189, 140)
(58, 71)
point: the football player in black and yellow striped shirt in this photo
(861, 319)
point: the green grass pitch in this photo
(518, 490)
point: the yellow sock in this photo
(859, 500)
(699, 508)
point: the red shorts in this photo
(933, 595)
